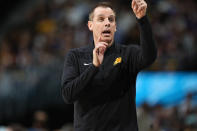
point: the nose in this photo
(107, 23)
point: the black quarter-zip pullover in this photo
(104, 96)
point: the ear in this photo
(90, 24)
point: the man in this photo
(100, 78)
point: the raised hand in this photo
(98, 53)
(139, 8)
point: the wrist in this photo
(95, 64)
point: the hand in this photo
(139, 8)
(98, 53)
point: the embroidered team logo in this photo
(118, 60)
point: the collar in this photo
(110, 49)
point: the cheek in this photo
(114, 30)
(114, 27)
(97, 29)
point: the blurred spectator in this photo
(145, 120)
(67, 127)
(40, 120)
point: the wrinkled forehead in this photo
(103, 11)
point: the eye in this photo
(100, 19)
(111, 19)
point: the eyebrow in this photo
(101, 15)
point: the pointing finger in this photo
(134, 6)
(99, 39)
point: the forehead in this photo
(104, 11)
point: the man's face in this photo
(103, 25)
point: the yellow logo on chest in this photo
(118, 60)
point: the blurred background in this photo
(35, 35)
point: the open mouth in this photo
(106, 32)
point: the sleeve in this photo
(73, 83)
(143, 55)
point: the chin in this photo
(108, 40)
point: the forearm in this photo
(147, 43)
(73, 88)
